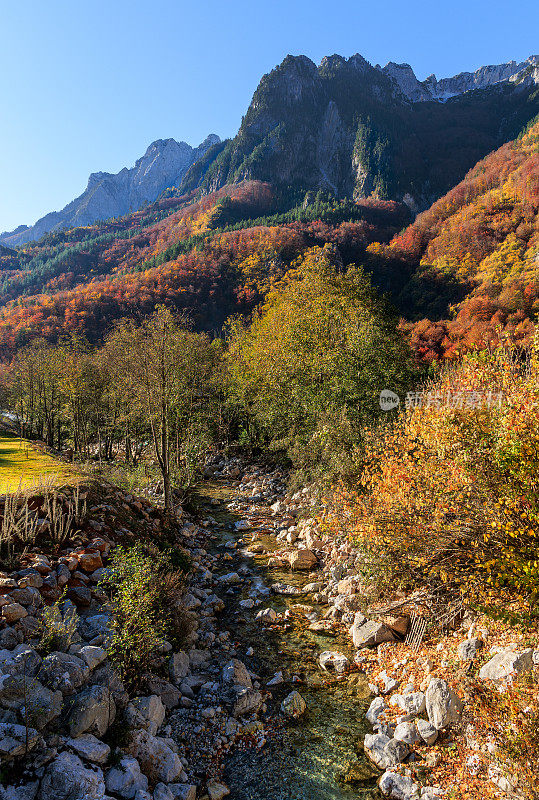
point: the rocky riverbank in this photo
(271, 695)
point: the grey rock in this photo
(63, 671)
(506, 665)
(187, 691)
(396, 751)
(217, 790)
(27, 596)
(267, 615)
(89, 747)
(183, 791)
(30, 577)
(199, 658)
(293, 705)
(412, 703)
(168, 693)
(248, 701)
(230, 579)
(332, 660)
(426, 730)
(370, 633)
(28, 791)
(157, 760)
(29, 626)
(303, 559)
(92, 711)
(276, 680)
(106, 675)
(162, 792)
(93, 656)
(383, 751)
(190, 602)
(9, 638)
(444, 707)
(7, 584)
(96, 625)
(375, 710)
(42, 704)
(13, 740)
(468, 649)
(126, 778)
(406, 732)
(398, 787)
(66, 778)
(236, 673)
(13, 612)
(148, 712)
(178, 667)
(22, 660)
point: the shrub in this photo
(510, 719)
(57, 629)
(449, 495)
(145, 594)
(22, 518)
(137, 629)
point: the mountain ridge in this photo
(348, 127)
(108, 195)
(342, 126)
(461, 272)
(441, 90)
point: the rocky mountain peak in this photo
(441, 90)
(164, 164)
(407, 82)
(332, 62)
(294, 68)
(359, 63)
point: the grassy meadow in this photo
(23, 466)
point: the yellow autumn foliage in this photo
(449, 496)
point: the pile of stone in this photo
(67, 717)
(42, 580)
(421, 717)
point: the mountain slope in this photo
(484, 235)
(475, 250)
(207, 258)
(164, 163)
(347, 127)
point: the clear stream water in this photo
(318, 757)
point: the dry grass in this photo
(24, 467)
(42, 514)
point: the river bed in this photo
(319, 756)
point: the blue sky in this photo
(87, 86)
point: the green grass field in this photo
(25, 466)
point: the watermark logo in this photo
(448, 399)
(388, 400)
(466, 398)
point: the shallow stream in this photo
(318, 757)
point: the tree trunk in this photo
(167, 490)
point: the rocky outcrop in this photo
(164, 164)
(441, 90)
(350, 129)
